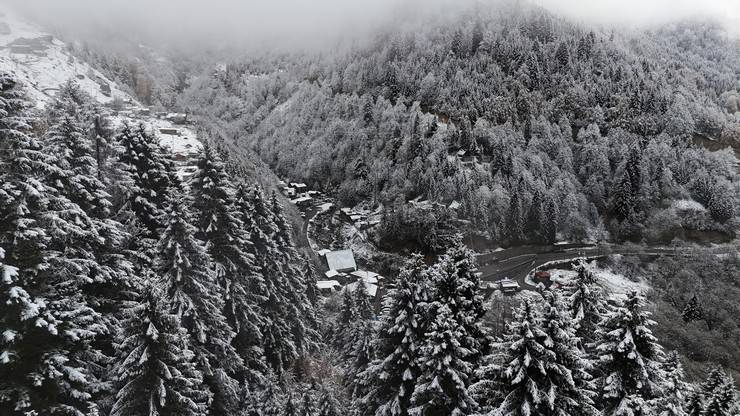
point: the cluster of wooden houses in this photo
(361, 218)
(298, 193)
(343, 274)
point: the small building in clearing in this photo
(331, 274)
(327, 287)
(303, 201)
(366, 276)
(371, 289)
(341, 261)
(169, 131)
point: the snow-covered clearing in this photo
(50, 65)
(615, 284)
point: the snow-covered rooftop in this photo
(327, 284)
(342, 260)
(370, 288)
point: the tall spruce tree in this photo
(445, 367)
(454, 339)
(716, 396)
(570, 389)
(456, 284)
(328, 405)
(671, 402)
(630, 359)
(390, 379)
(692, 311)
(48, 326)
(517, 367)
(153, 176)
(155, 367)
(189, 285)
(307, 405)
(288, 325)
(228, 243)
(107, 272)
(586, 303)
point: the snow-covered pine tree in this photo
(359, 355)
(570, 389)
(99, 247)
(442, 388)
(270, 404)
(390, 380)
(155, 367)
(287, 313)
(249, 404)
(715, 396)
(290, 408)
(188, 284)
(363, 309)
(692, 311)
(623, 204)
(153, 176)
(344, 320)
(307, 405)
(309, 271)
(586, 303)
(328, 405)
(456, 284)
(671, 402)
(630, 359)
(722, 401)
(360, 336)
(303, 315)
(47, 325)
(227, 241)
(512, 380)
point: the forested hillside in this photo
(123, 290)
(591, 129)
(543, 215)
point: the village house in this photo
(366, 276)
(299, 187)
(341, 261)
(169, 131)
(327, 287)
(302, 202)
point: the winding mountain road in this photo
(516, 263)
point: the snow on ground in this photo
(615, 284)
(43, 72)
(184, 143)
(687, 205)
(181, 141)
(359, 244)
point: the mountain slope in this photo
(42, 62)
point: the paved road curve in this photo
(516, 263)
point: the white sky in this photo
(304, 23)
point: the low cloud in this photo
(225, 24)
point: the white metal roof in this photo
(327, 284)
(341, 260)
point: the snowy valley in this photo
(498, 208)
